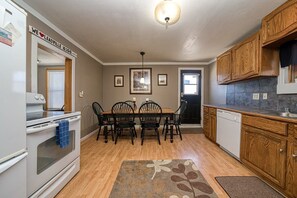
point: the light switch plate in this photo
(256, 96)
(265, 97)
(81, 94)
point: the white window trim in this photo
(282, 86)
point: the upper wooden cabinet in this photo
(224, 67)
(281, 24)
(247, 59)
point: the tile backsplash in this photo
(241, 94)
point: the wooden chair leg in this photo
(132, 135)
(134, 130)
(116, 136)
(158, 135)
(142, 136)
(179, 131)
(98, 133)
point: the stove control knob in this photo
(41, 97)
(36, 97)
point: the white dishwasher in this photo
(229, 131)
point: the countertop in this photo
(256, 112)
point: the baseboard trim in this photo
(190, 126)
(89, 135)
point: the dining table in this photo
(167, 113)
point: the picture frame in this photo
(136, 86)
(118, 80)
(162, 79)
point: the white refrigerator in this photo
(12, 100)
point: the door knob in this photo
(294, 155)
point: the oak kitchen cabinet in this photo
(210, 123)
(247, 59)
(224, 67)
(281, 24)
(291, 177)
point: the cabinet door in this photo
(280, 23)
(246, 58)
(265, 153)
(224, 67)
(213, 128)
(206, 126)
(291, 179)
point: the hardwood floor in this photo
(100, 162)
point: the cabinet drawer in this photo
(213, 111)
(266, 124)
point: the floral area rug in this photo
(160, 178)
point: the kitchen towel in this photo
(62, 133)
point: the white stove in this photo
(50, 167)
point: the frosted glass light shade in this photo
(169, 10)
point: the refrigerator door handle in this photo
(6, 165)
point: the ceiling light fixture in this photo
(167, 12)
(142, 78)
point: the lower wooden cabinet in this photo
(291, 176)
(210, 123)
(265, 153)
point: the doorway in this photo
(191, 90)
(58, 59)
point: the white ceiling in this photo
(115, 31)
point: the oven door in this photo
(45, 158)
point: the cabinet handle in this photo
(294, 155)
(281, 150)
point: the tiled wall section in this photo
(241, 94)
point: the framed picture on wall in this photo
(140, 80)
(118, 80)
(162, 79)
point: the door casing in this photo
(202, 86)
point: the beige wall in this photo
(88, 75)
(217, 93)
(166, 96)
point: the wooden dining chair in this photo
(123, 115)
(177, 118)
(150, 114)
(103, 121)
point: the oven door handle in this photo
(74, 119)
(39, 129)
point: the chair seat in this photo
(150, 125)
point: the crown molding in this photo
(55, 28)
(160, 63)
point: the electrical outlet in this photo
(256, 96)
(265, 96)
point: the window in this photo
(55, 88)
(287, 80)
(191, 84)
